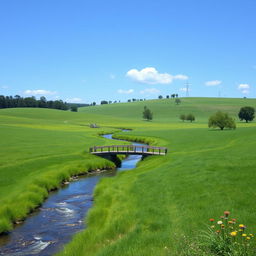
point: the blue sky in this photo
(84, 51)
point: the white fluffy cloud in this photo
(150, 91)
(39, 92)
(243, 86)
(213, 83)
(4, 86)
(150, 75)
(74, 100)
(121, 91)
(180, 77)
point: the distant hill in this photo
(165, 110)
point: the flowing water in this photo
(50, 227)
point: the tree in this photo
(30, 102)
(2, 101)
(190, 117)
(221, 120)
(74, 108)
(183, 117)
(167, 96)
(42, 103)
(177, 101)
(177, 95)
(103, 102)
(246, 113)
(160, 97)
(147, 114)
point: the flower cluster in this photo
(231, 235)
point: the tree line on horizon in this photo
(103, 102)
(31, 102)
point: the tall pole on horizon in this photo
(187, 89)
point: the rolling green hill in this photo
(166, 111)
(156, 209)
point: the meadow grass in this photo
(40, 149)
(160, 207)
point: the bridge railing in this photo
(123, 149)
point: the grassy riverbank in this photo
(40, 148)
(161, 207)
(156, 209)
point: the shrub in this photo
(177, 101)
(246, 113)
(221, 120)
(147, 114)
(183, 117)
(190, 117)
(73, 108)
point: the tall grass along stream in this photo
(61, 216)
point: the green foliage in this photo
(73, 108)
(246, 113)
(147, 114)
(177, 101)
(30, 102)
(221, 120)
(190, 117)
(183, 117)
(103, 102)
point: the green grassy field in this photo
(160, 207)
(39, 149)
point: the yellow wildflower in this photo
(248, 238)
(244, 235)
(233, 233)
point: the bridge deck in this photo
(128, 150)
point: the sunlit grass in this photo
(155, 209)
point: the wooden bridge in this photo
(128, 150)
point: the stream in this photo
(53, 224)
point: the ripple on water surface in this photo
(61, 216)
